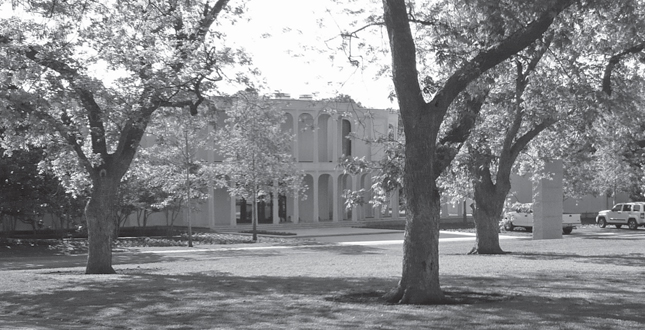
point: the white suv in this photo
(630, 214)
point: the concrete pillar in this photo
(296, 210)
(336, 131)
(232, 215)
(336, 197)
(276, 205)
(316, 129)
(394, 204)
(547, 203)
(355, 183)
(316, 177)
(296, 133)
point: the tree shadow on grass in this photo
(630, 259)
(147, 299)
(560, 300)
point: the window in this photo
(627, 207)
(636, 208)
(617, 207)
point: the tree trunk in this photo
(100, 226)
(419, 282)
(489, 205)
(486, 216)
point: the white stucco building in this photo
(323, 132)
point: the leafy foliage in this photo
(84, 78)
(258, 162)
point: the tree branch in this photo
(524, 140)
(489, 58)
(86, 97)
(449, 145)
(18, 103)
(613, 61)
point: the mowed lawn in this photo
(593, 279)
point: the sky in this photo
(291, 42)
(295, 59)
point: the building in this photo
(323, 131)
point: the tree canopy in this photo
(84, 78)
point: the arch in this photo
(305, 138)
(325, 198)
(287, 126)
(346, 130)
(344, 183)
(325, 146)
(367, 209)
(306, 206)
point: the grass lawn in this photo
(579, 282)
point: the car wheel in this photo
(602, 223)
(567, 230)
(619, 226)
(632, 224)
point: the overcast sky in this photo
(291, 42)
(290, 58)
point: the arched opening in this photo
(306, 206)
(244, 210)
(346, 130)
(305, 138)
(324, 141)
(344, 183)
(367, 209)
(325, 198)
(287, 126)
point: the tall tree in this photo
(425, 158)
(175, 169)
(90, 75)
(258, 162)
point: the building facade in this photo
(324, 131)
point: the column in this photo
(211, 206)
(336, 132)
(295, 218)
(355, 182)
(547, 203)
(276, 206)
(233, 221)
(296, 120)
(334, 187)
(316, 142)
(394, 203)
(316, 177)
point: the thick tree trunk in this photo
(100, 226)
(487, 214)
(489, 205)
(419, 282)
(421, 121)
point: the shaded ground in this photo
(580, 282)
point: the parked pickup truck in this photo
(522, 217)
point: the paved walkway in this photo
(339, 231)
